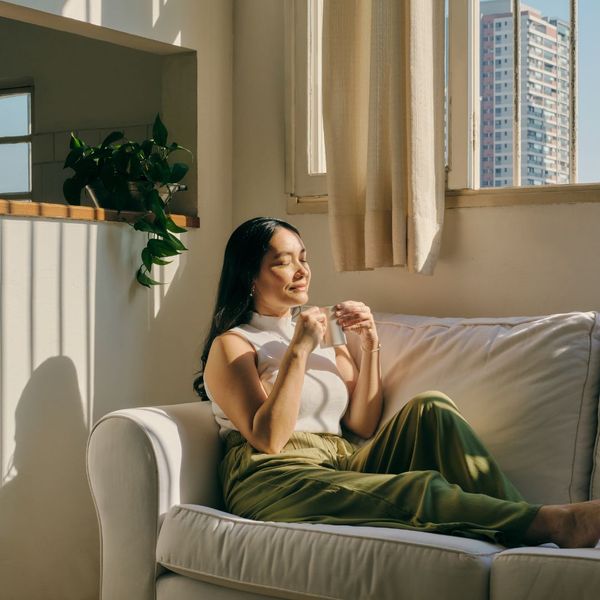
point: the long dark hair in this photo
(244, 252)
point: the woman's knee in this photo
(431, 399)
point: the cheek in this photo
(276, 280)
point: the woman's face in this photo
(284, 275)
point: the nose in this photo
(301, 272)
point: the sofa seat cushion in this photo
(528, 385)
(543, 572)
(298, 560)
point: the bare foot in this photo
(567, 525)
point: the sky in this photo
(14, 175)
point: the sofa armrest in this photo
(140, 462)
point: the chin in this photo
(300, 299)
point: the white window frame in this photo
(463, 169)
(19, 139)
(300, 185)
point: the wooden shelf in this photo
(45, 210)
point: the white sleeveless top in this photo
(324, 396)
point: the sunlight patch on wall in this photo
(47, 308)
(165, 275)
(16, 327)
(77, 305)
(76, 9)
(155, 12)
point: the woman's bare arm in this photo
(364, 383)
(366, 403)
(365, 391)
(265, 420)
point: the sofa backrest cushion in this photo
(528, 385)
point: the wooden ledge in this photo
(45, 210)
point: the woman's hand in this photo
(310, 329)
(356, 317)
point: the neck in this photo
(269, 311)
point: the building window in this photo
(15, 143)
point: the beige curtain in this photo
(383, 105)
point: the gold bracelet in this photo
(374, 349)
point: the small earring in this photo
(252, 292)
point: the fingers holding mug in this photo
(310, 326)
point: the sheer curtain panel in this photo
(383, 116)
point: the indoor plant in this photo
(132, 175)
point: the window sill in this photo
(44, 210)
(482, 198)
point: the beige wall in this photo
(78, 337)
(494, 261)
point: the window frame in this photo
(463, 168)
(300, 185)
(19, 139)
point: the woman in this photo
(280, 400)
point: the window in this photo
(475, 76)
(552, 91)
(15, 143)
(305, 148)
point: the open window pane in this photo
(546, 124)
(15, 174)
(15, 114)
(497, 93)
(588, 92)
(544, 40)
(316, 140)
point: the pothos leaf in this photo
(159, 132)
(143, 279)
(147, 258)
(112, 137)
(172, 226)
(162, 248)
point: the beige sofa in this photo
(528, 385)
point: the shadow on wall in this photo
(47, 519)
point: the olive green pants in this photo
(425, 470)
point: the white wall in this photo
(494, 261)
(78, 337)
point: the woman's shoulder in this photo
(226, 348)
(233, 337)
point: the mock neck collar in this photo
(281, 325)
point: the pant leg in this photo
(429, 433)
(303, 485)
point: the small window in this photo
(305, 149)
(15, 143)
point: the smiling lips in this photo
(298, 288)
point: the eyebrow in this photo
(287, 253)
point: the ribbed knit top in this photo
(324, 395)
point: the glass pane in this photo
(544, 93)
(316, 140)
(14, 168)
(545, 101)
(588, 92)
(497, 96)
(15, 114)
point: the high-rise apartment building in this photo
(544, 101)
